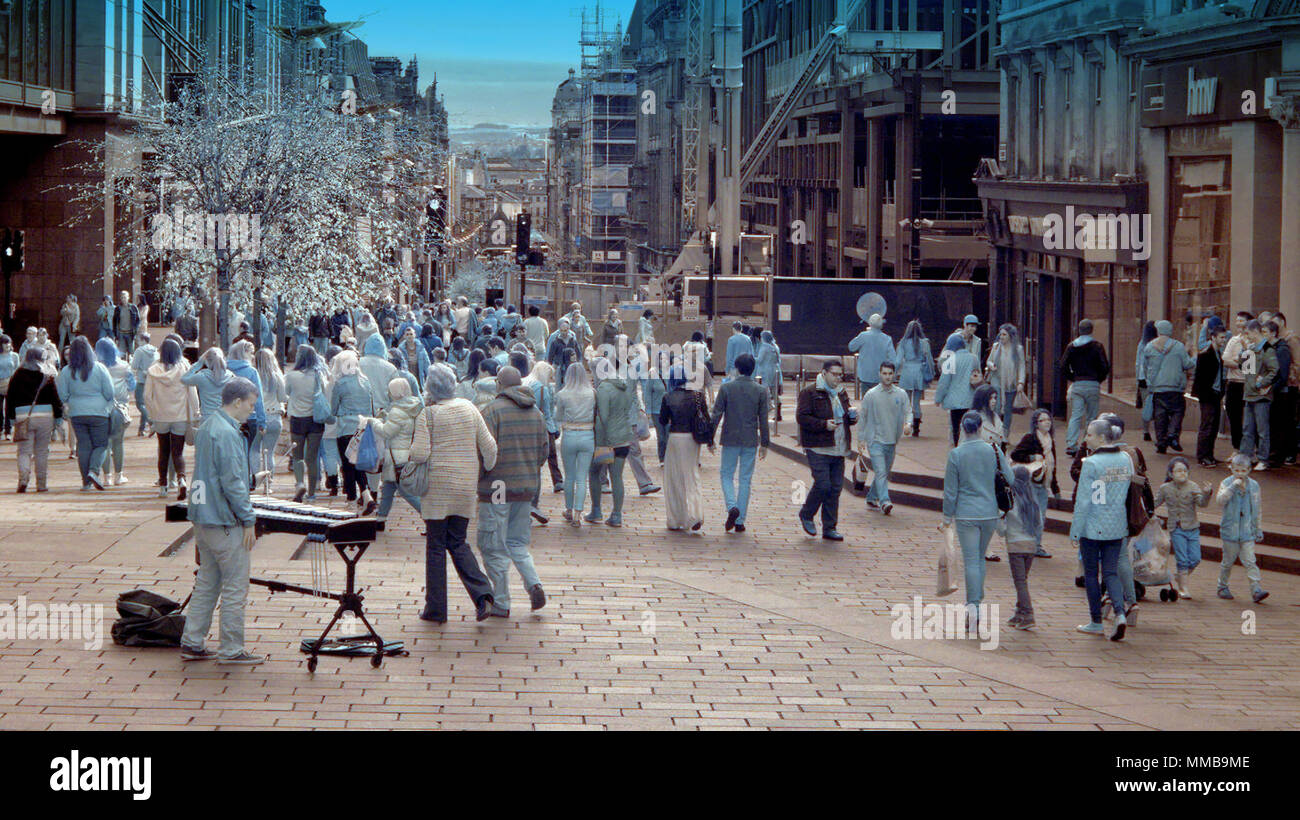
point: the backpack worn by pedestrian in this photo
(148, 619)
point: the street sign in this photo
(690, 308)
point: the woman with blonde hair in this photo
(575, 413)
(350, 402)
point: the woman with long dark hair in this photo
(34, 397)
(1037, 450)
(173, 406)
(473, 372)
(120, 418)
(678, 412)
(915, 368)
(86, 389)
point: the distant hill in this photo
(501, 140)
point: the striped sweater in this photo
(519, 428)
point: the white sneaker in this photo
(112, 480)
(121, 479)
(1261, 467)
(163, 492)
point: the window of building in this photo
(1200, 245)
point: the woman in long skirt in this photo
(679, 411)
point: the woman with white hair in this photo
(452, 439)
(397, 430)
(575, 412)
(350, 401)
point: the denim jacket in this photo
(92, 397)
(954, 391)
(1101, 506)
(1242, 511)
(221, 473)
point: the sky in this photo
(497, 61)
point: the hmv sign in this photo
(1213, 89)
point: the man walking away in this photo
(505, 493)
(1281, 417)
(223, 518)
(742, 406)
(737, 345)
(824, 418)
(1167, 365)
(1260, 367)
(886, 415)
(873, 347)
(1085, 365)
(1207, 387)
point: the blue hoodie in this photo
(874, 348)
(378, 370)
(243, 369)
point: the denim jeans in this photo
(828, 481)
(882, 464)
(733, 457)
(1020, 563)
(1187, 548)
(1083, 409)
(974, 537)
(389, 491)
(576, 449)
(35, 449)
(139, 405)
(1245, 550)
(504, 532)
(1255, 432)
(223, 572)
(321, 344)
(1167, 410)
(1008, 412)
(1124, 566)
(1040, 493)
(1103, 555)
(442, 537)
(262, 456)
(916, 396)
(116, 446)
(595, 482)
(92, 443)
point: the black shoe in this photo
(740, 528)
(536, 597)
(483, 609)
(188, 654)
(832, 535)
(371, 506)
(426, 615)
(993, 558)
(1175, 446)
(380, 526)
(1208, 462)
(182, 492)
(1071, 451)
(1042, 553)
(22, 488)
(300, 495)
(494, 612)
(1078, 581)
(1160, 449)
(859, 486)
(1146, 436)
(732, 515)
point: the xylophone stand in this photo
(349, 601)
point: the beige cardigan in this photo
(460, 440)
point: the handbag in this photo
(22, 427)
(602, 457)
(643, 427)
(948, 562)
(701, 424)
(1001, 488)
(413, 478)
(1021, 401)
(320, 407)
(1140, 504)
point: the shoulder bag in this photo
(701, 424)
(22, 427)
(602, 456)
(413, 478)
(320, 406)
(1001, 489)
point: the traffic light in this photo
(11, 250)
(523, 235)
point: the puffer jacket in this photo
(613, 411)
(1242, 511)
(397, 430)
(1108, 474)
(166, 398)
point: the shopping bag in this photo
(1022, 402)
(367, 458)
(1149, 553)
(862, 468)
(643, 428)
(948, 562)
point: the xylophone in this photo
(350, 534)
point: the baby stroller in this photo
(1149, 553)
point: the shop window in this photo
(1200, 246)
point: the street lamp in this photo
(713, 282)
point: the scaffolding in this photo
(608, 145)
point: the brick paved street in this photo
(644, 629)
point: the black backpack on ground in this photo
(148, 619)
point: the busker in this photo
(223, 518)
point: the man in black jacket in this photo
(825, 416)
(1208, 386)
(318, 328)
(1084, 363)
